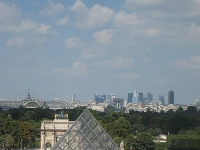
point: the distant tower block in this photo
(110, 98)
(56, 99)
(73, 98)
(130, 98)
(161, 99)
(170, 97)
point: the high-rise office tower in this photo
(110, 98)
(161, 99)
(130, 98)
(149, 97)
(170, 97)
(99, 98)
(154, 99)
(73, 98)
(140, 96)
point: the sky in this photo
(56, 49)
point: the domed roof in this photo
(28, 98)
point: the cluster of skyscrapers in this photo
(134, 98)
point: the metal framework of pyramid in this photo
(86, 134)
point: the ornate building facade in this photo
(52, 130)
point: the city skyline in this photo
(133, 98)
(62, 48)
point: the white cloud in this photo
(160, 81)
(193, 33)
(8, 11)
(192, 63)
(187, 64)
(78, 69)
(26, 41)
(118, 62)
(43, 29)
(9, 15)
(79, 7)
(194, 59)
(129, 3)
(130, 76)
(10, 20)
(96, 16)
(25, 25)
(152, 32)
(146, 60)
(15, 42)
(104, 37)
(52, 9)
(124, 20)
(28, 26)
(73, 43)
(64, 21)
(165, 8)
(93, 53)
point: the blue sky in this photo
(59, 48)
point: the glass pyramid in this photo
(86, 134)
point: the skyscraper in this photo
(149, 97)
(99, 98)
(140, 96)
(73, 98)
(130, 98)
(161, 99)
(170, 97)
(110, 98)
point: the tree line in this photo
(138, 130)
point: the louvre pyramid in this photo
(86, 134)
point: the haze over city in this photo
(54, 49)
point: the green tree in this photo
(138, 127)
(117, 140)
(183, 142)
(157, 132)
(129, 141)
(121, 127)
(15, 113)
(29, 115)
(197, 130)
(180, 110)
(11, 127)
(9, 141)
(191, 109)
(178, 122)
(2, 142)
(144, 141)
(26, 131)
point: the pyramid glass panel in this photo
(84, 144)
(86, 130)
(86, 134)
(92, 123)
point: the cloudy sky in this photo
(59, 48)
